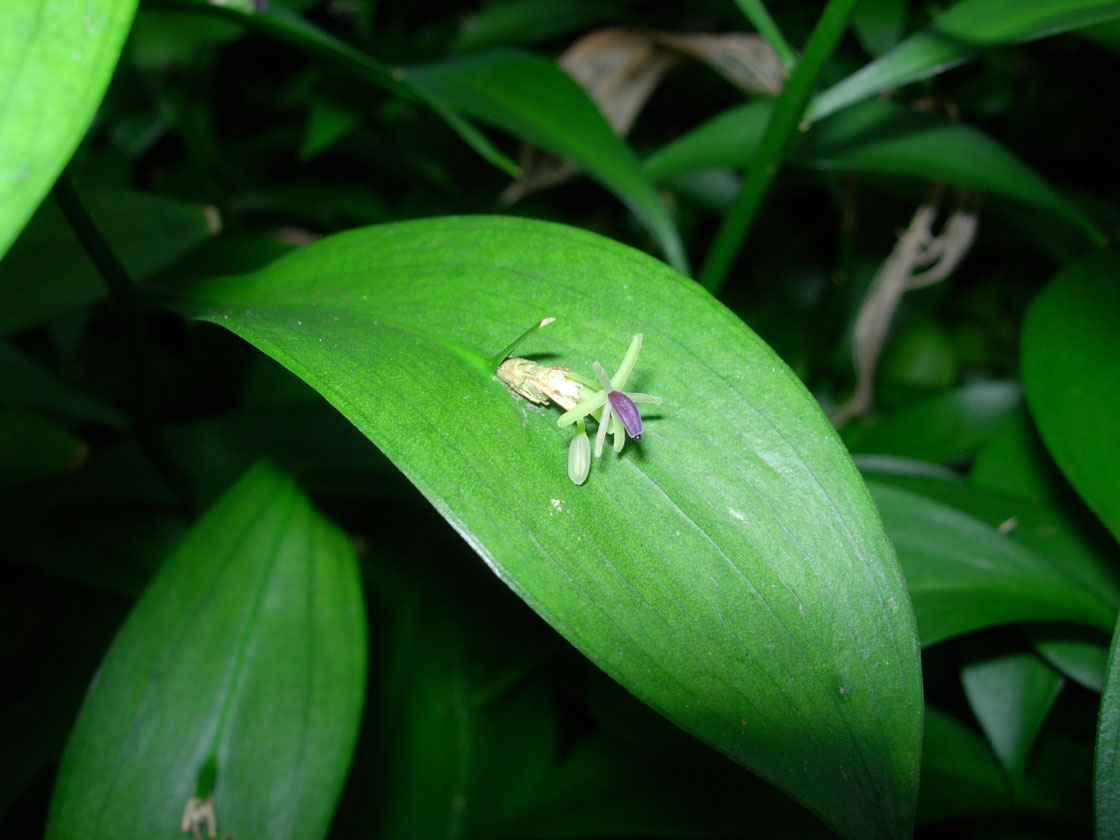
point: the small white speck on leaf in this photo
(736, 514)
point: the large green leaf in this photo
(241, 667)
(964, 575)
(1071, 373)
(535, 100)
(879, 136)
(1106, 772)
(957, 35)
(729, 569)
(57, 59)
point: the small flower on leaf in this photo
(614, 409)
(617, 405)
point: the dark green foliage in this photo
(259, 494)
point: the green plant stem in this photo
(779, 133)
(286, 26)
(122, 290)
(760, 19)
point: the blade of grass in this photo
(779, 134)
(760, 19)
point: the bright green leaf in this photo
(1011, 693)
(965, 576)
(729, 569)
(245, 655)
(1071, 373)
(957, 35)
(58, 56)
(1106, 773)
(536, 101)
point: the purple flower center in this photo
(628, 413)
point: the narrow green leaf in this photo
(1011, 693)
(58, 56)
(957, 35)
(240, 669)
(1106, 772)
(941, 428)
(887, 138)
(730, 138)
(536, 101)
(881, 137)
(1071, 373)
(48, 273)
(729, 569)
(964, 576)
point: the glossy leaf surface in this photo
(57, 59)
(1071, 373)
(729, 569)
(247, 650)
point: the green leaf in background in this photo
(241, 668)
(940, 428)
(1014, 460)
(1078, 656)
(878, 24)
(25, 384)
(1106, 772)
(536, 101)
(964, 576)
(57, 59)
(34, 447)
(729, 569)
(891, 139)
(1049, 532)
(881, 137)
(957, 35)
(1071, 374)
(48, 273)
(960, 776)
(530, 21)
(282, 22)
(1011, 693)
